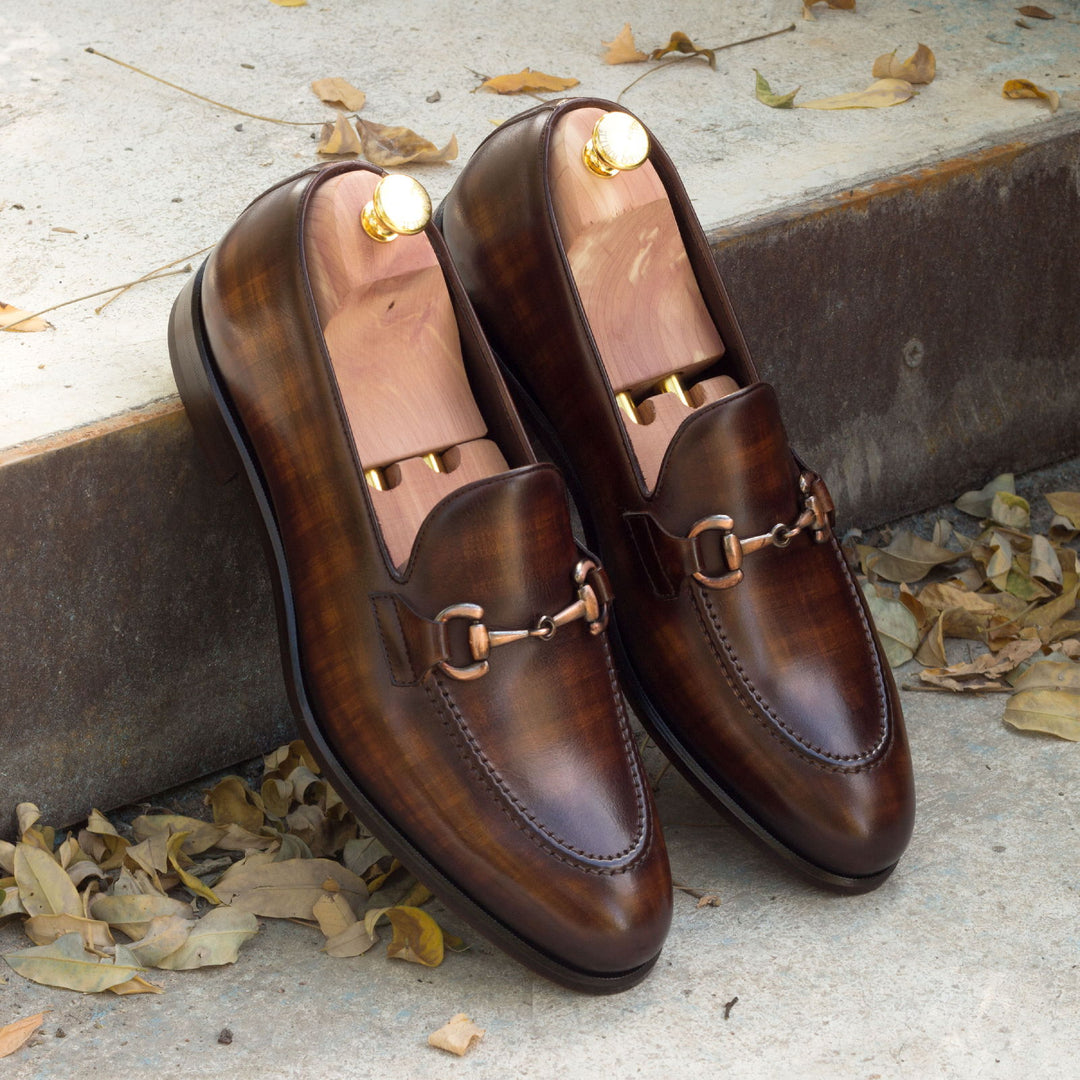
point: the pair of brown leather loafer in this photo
(452, 651)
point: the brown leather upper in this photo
(524, 786)
(775, 688)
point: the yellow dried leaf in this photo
(1052, 674)
(340, 94)
(132, 914)
(527, 81)
(680, 43)
(417, 936)
(354, 940)
(164, 935)
(17, 1033)
(338, 139)
(45, 929)
(764, 93)
(201, 834)
(215, 939)
(842, 5)
(1066, 504)
(65, 963)
(457, 1035)
(919, 67)
(276, 796)
(16, 320)
(1054, 712)
(1009, 510)
(190, 880)
(1025, 88)
(623, 49)
(878, 95)
(978, 503)
(44, 886)
(7, 857)
(289, 3)
(233, 802)
(28, 815)
(388, 146)
(333, 912)
(137, 985)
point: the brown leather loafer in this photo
(746, 644)
(444, 637)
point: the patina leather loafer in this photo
(444, 636)
(746, 644)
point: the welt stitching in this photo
(825, 766)
(489, 776)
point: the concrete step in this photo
(906, 277)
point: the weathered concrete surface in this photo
(964, 965)
(922, 331)
(139, 646)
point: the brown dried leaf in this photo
(457, 1035)
(907, 558)
(680, 43)
(201, 835)
(918, 68)
(931, 651)
(842, 5)
(1033, 12)
(988, 666)
(238, 839)
(527, 81)
(17, 1033)
(623, 49)
(387, 146)
(340, 94)
(276, 796)
(878, 95)
(16, 320)
(338, 139)
(1025, 88)
(417, 937)
(234, 803)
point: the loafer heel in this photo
(192, 368)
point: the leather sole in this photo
(221, 438)
(670, 745)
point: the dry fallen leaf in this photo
(136, 985)
(286, 890)
(906, 559)
(765, 95)
(877, 95)
(215, 939)
(1010, 510)
(843, 5)
(623, 49)
(133, 914)
(1025, 88)
(340, 94)
(1033, 12)
(339, 139)
(1053, 712)
(65, 963)
(15, 1034)
(527, 81)
(919, 67)
(387, 146)
(164, 935)
(417, 937)
(354, 940)
(45, 929)
(233, 802)
(457, 1035)
(10, 315)
(680, 43)
(289, 3)
(896, 627)
(44, 887)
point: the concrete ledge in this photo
(140, 647)
(922, 330)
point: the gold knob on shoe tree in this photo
(619, 143)
(399, 206)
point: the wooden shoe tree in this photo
(637, 289)
(393, 342)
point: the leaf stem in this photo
(209, 101)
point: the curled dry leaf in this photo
(136, 985)
(388, 146)
(417, 936)
(234, 803)
(333, 913)
(354, 940)
(65, 963)
(527, 81)
(680, 43)
(919, 67)
(978, 503)
(1045, 564)
(190, 880)
(340, 94)
(18, 321)
(764, 94)
(1010, 510)
(17, 1033)
(338, 139)
(1025, 88)
(623, 49)
(1034, 12)
(457, 1035)
(878, 95)
(215, 939)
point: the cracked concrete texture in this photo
(108, 175)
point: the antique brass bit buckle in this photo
(817, 505)
(482, 639)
